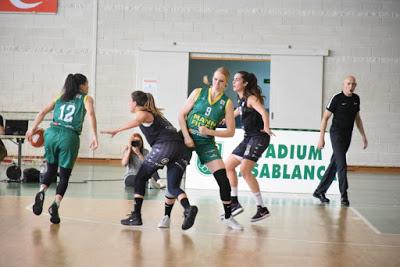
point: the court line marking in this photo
(153, 228)
(368, 223)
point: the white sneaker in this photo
(161, 184)
(232, 223)
(164, 223)
(153, 184)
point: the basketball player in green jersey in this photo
(62, 138)
(203, 111)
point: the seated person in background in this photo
(134, 154)
(3, 150)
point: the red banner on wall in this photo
(29, 6)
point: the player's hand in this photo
(28, 134)
(268, 131)
(189, 142)
(321, 143)
(203, 130)
(365, 142)
(94, 144)
(110, 132)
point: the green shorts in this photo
(207, 152)
(61, 146)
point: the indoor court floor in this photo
(300, 232)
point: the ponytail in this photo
(72, 86)
(146, 100)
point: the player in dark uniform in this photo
(345, 108)
(167, 149)
(61, 139)
(255, 121)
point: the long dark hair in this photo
(146, 100)
(72, 86)
(252, 87)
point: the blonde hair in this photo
(224, 72)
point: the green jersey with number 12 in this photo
(71, 113)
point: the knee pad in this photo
(63, 184)
(49, 174)
(223, 183)
(174, 177)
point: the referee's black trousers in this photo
(340, 144)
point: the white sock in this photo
(258, 198)
(234, 191)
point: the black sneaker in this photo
(38, 206)
(262, 213)
(133, 219)
(236, 209)
(53, 211)
(345, 202)
(321, 197)
(190, 216)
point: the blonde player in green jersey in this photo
(62, 138)
(204, 109)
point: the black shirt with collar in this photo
(344, 109)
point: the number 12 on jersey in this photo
(67, 112)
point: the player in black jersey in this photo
(255, 121)
(345, 107)
(167, 149)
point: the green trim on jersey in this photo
(70, 114)
(206, 113)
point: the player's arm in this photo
(89, 106)
(141, 116)
(254, 103)
(187, 107)
(39, 118)
(236, 112)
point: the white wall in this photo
(38, 51)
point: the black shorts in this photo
(252, 147)
(168, 154)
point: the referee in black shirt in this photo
(345, 108)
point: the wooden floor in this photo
(90, 235)
(300, 232)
